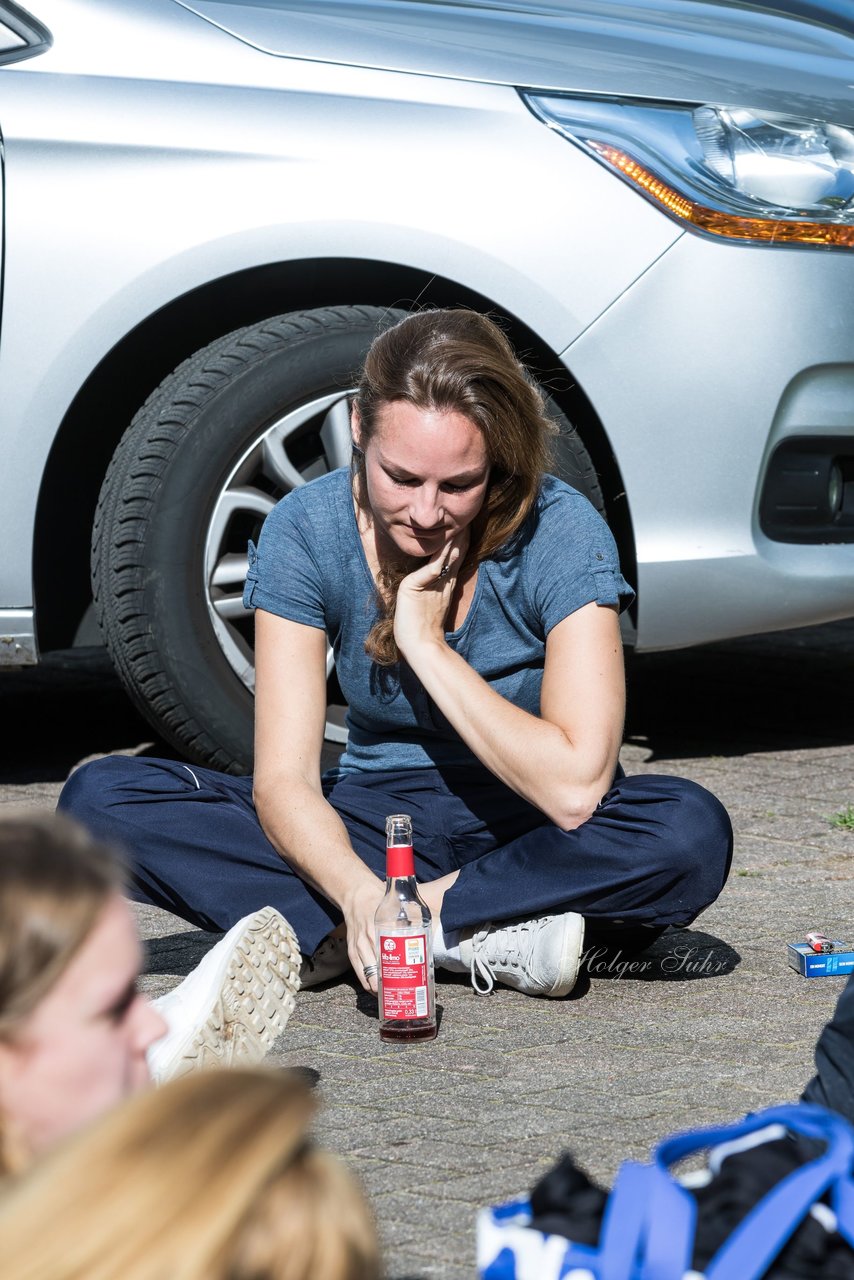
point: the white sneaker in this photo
(330, 960)
(540, 957)
(234, 1004)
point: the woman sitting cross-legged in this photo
(472, 604)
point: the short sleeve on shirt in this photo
(283, 576)
(572, 558)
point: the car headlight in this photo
(727, 171)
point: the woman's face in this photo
(427, 475)
(83, 1048)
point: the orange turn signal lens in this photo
(832, 235)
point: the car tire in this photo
(213, 448)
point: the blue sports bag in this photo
(648, 1228)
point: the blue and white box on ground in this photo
(820, 964)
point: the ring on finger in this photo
(444, 571)
(369, 970)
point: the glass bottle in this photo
(407, 997)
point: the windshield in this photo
(837, 14)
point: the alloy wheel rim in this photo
(300, 445)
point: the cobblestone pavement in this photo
(707, 1025)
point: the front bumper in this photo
(717, 354)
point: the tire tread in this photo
(128, 494)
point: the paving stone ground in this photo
(708, 1024)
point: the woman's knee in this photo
(89, 787)
(100, 787)
(700, 837)
(688, 834)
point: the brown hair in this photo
(457, 361)
(55, 881)
(212, 1177)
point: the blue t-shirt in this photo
(310, 567)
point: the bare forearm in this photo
(309, 835)
(532, 756)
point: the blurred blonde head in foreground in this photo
(212, 1177)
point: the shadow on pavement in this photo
(178, 953)
(679, 955)
(785, 691)
(59, 713)
(788, 691)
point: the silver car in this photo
(209, 206)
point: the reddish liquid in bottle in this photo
(408, 1029)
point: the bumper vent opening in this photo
(808, 492)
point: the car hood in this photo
(725, 53)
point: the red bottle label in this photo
(404, 961)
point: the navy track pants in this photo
(656, 851)
(833, 1084)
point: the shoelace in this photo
(505, 948)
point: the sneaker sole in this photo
(570, 961)
(255, 1001)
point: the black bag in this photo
(649, 1227)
